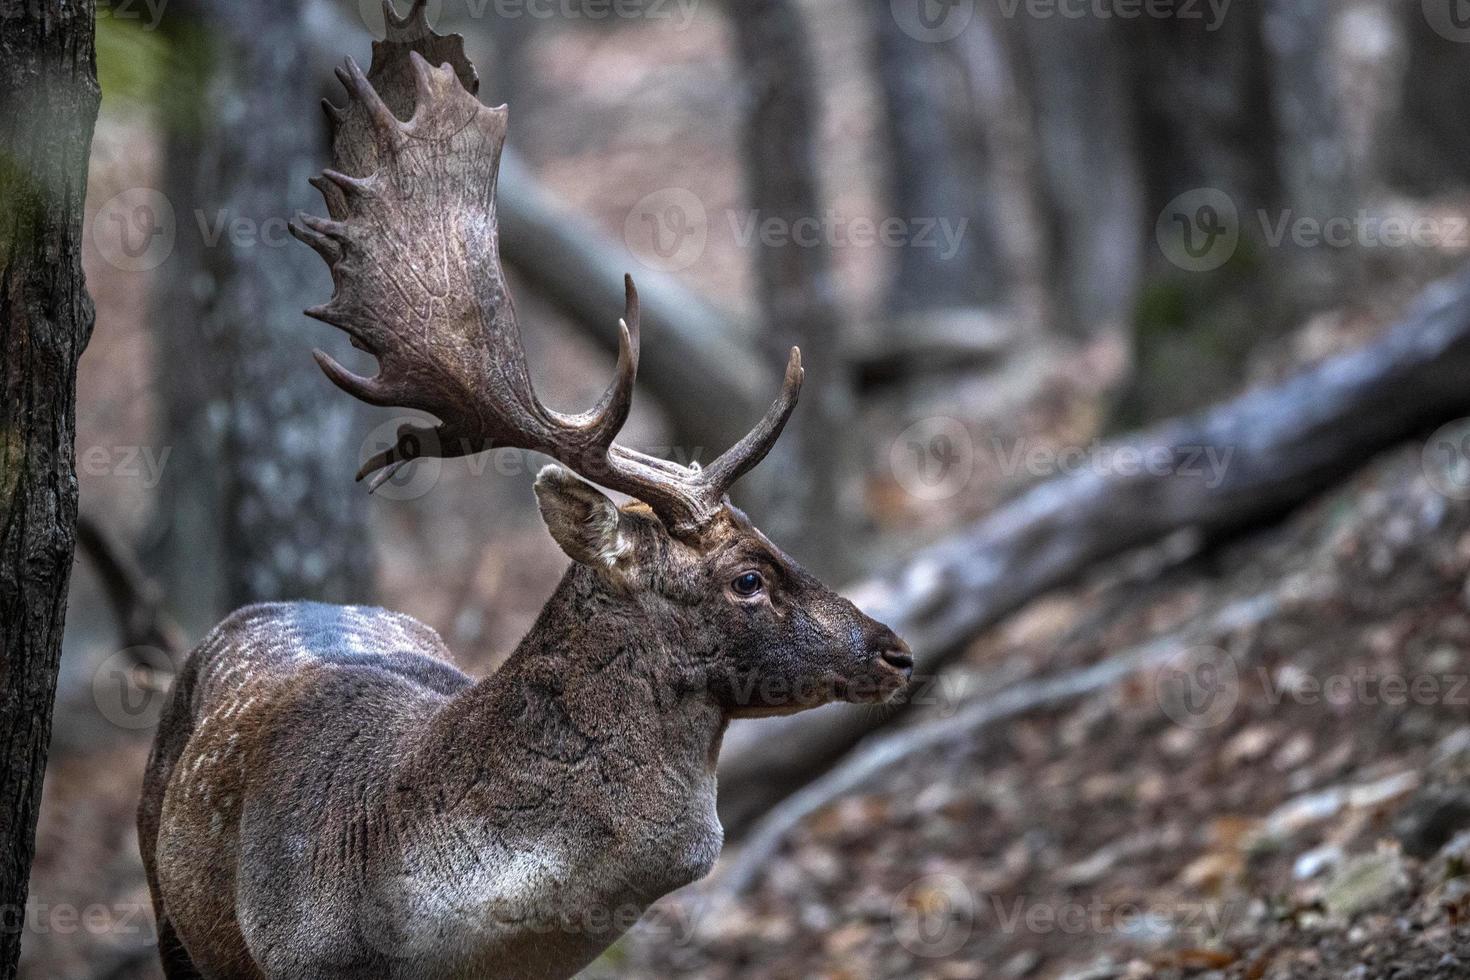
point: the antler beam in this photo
(412, 242)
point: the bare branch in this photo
(136, 600)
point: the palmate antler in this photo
(413, 246)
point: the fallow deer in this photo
(328, 797)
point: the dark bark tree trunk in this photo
(794, 279)
(1206, 106)
(48, 105)
(1207, 143)
(1427, 147)
(259, 497)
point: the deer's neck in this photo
(595, 679)
(596, 742)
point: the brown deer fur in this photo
(328, 797)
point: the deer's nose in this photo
(892, 650)
(899, 658)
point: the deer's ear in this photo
(587, 525)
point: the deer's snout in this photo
(890, 648)
(899, 658)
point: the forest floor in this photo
(1278, 790)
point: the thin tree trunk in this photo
(1208, 145)
(48, 105)
(259, 497)
(1427, 147)
(1313, 150)
(932, 311)
(794, 279)
(1089, 169)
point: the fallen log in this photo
(1279, 445)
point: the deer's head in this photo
(413, 246)
(765, 634)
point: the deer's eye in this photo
(748, 584)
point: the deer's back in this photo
(269, 775)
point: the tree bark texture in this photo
(794, 280)
(48, 106)
(1090, 174)
(259, 501)
(928, 176)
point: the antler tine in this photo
(392, 18)
(740, 458)
(600, 426)
(362, 91)
(686, 497)
(374, 391)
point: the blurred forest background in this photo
(1137, 340)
